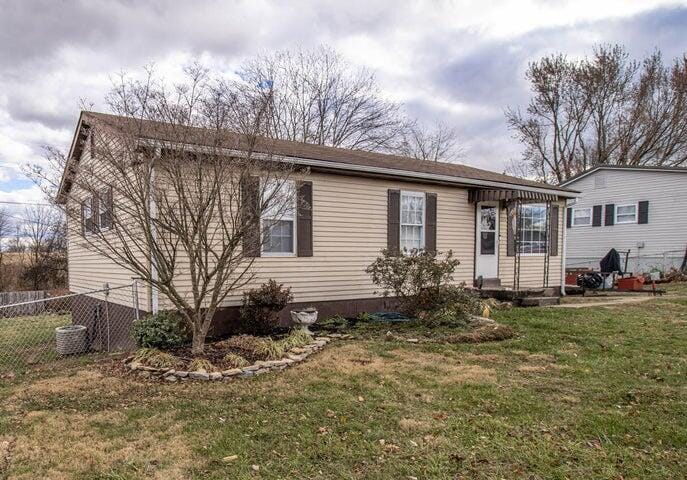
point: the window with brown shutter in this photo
(431, 222)
(553, 231)
(105, 208)
(304, 219)
(393, 218)
(250, 215)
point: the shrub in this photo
(261, 307)
(297, 338)
(163, 330)
(416, 278)
(235, 361)
(268, 349)
(198, 364)
(156, 358)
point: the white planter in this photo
(304, 318)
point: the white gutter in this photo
(370, 169)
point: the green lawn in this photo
(28, 340)
(598, 393)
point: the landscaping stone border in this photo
(293, 356)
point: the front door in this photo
(487, 251)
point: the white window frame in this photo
(546, 241)
(626, 222)
(591, 220)
(423, 227)
(293, 218)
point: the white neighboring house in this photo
(640, 209)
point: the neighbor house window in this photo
(279, 218)
(533, 228)
(412, 220)
(582, 217)
(626, 213)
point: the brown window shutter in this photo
(83, 219)
(95, 223)
(250, 215)
(596, 215)
(431, 222)
(643, 213)
(553, 231)
(304, 219)
(510, 229)
(393, 221)
(610, 215)
(568, 217)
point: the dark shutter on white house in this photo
(597, 211)
(431, 222)
(643, 213)
(250, 216)
(393, 221)
(610, 214)
(568, 217)
(304, 219)
(553, 231)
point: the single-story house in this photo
(640, 209)
(507, 232)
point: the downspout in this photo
(563, 257)
(152, 206)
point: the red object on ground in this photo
(631, 283)
(571, 279)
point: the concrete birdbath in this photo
(304, 318)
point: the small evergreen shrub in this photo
(234, 360)
(153, 357)
(297, 338)
(200, 364)
(261, 307)
(163, 330)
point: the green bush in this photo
(415, 278)
(163, 330)
(261, 307)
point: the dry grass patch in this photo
(412, 425)
(82, 382)
(355, 359)
(63, 445)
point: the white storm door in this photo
(487, 248)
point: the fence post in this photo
(134, 295)
(106, 287)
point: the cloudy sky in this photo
(460, 62)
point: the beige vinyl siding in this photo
(349, 230)
(531, 266)
(88, 269)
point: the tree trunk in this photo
(198, 342)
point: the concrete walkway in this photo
(606, 303)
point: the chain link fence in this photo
(44, 331)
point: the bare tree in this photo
(172, 195)
(314, 96)
(605, 109)
(437, 144)
(44, 230)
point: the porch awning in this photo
(475, 195)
